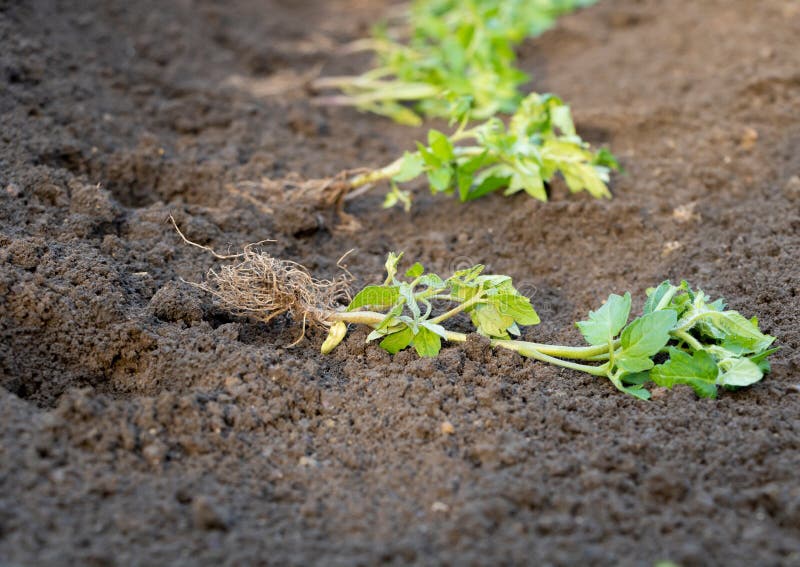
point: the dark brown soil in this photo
(142, 425)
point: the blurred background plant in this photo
(447, 59)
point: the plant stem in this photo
(374, 90)
(433, 294)
(689, 339)
(544, 352)
(388, 171)
(370, 318)
(575, 353)
(524, 348)
(477, 298)
(376, 175)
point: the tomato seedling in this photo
(458, 57)
(680, 338)
(539, 141)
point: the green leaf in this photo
(605, 158)
(411, 166)
(440, 145)
(738, 334)
(434, 328)
(742, 335)
(699, 371)
(465, 174)
(431, 280)
(605, 323)
(739, 372)
(580, 176)
(391, 266)
(647, 335)
(388, 321)
(561, 118)
(429, 158)
(396, 342)
(379, 296)
(634, 365)
(761, 359)
(637, 391)
(440, 178)
(631, 384)
(529, 179)
(415, 271)
(656, 295)
(636, 378)
(489, 321)
(427, 343)
(488, 185)
(464, 183)
(475, 163)
(516, 306)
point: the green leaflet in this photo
(637, 391)
(397, 341)
(415, 271)
(427, 343)
(636, 378)
(517, 307)
(391, 266)
(490, 321)
(377, 296)
(411, 167)
(439, 179)
(739, 372)
(634, 364)
(698, 371)
(762, 359)
(647, 335)
(740, 334)
(736, 333)
(659, 297)
(440, 145)
(606, 323)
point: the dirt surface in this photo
(142, 425)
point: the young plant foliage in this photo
(680, 338)
(457, 58)
(539, 141)
(495, 307)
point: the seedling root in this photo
(264, 287)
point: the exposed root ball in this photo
(264, 287)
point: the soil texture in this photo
(144, 425)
